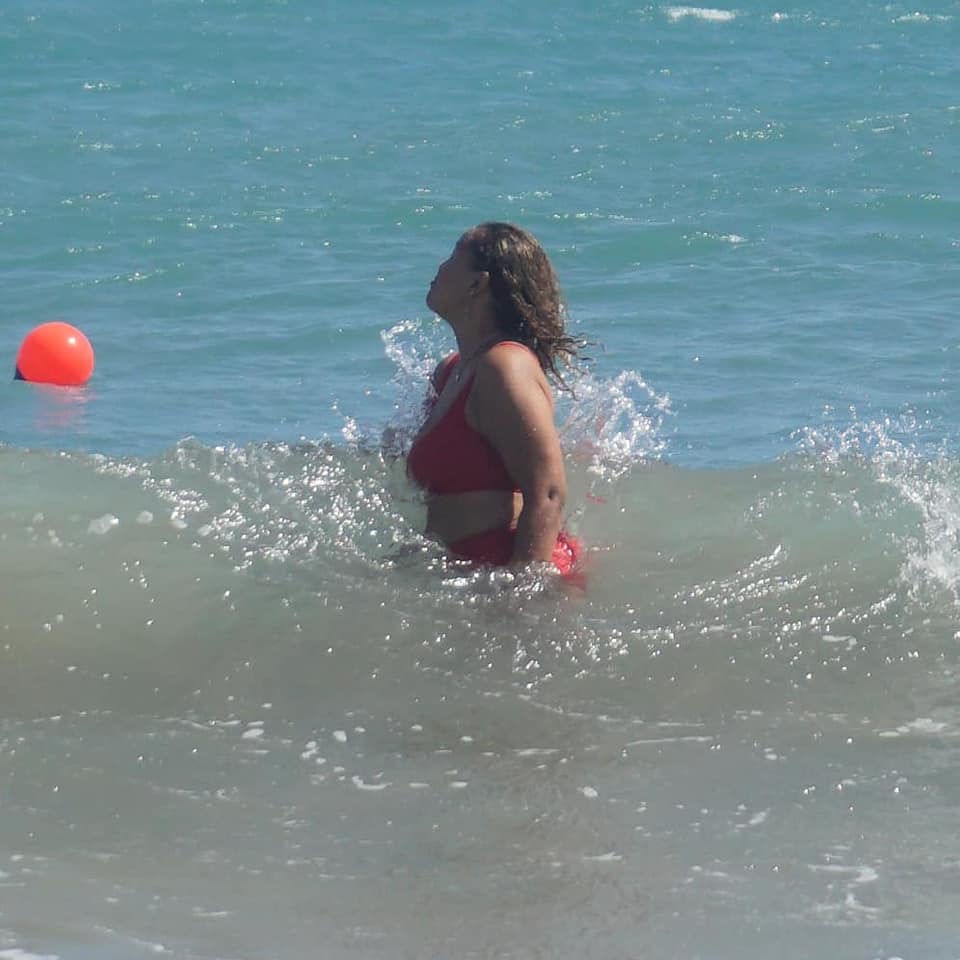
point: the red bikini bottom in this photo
(496, 547)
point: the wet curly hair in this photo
(526, 294)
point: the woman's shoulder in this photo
(510, 353)
(509, 358)
(511, 371)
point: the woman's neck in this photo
(471, 346)
(478, 330)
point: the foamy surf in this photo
(276, 680)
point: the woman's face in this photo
(456, 278)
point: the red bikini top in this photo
(452, 457)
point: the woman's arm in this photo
(510, 404)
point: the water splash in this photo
(269, 504)
(927, 480)
(614, 424)
(414, 348)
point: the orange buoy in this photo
(55, 353)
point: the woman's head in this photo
(524, 291)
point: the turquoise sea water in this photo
(755, 209)
(246, 711)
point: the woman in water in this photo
(488, 454)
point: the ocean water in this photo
(247, 711)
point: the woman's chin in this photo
(433, 305)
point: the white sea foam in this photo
(921, 727)
(919, 17)
(17, 954)
(861, 873)
(103, 525)
(361, 784)
(700, 13)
